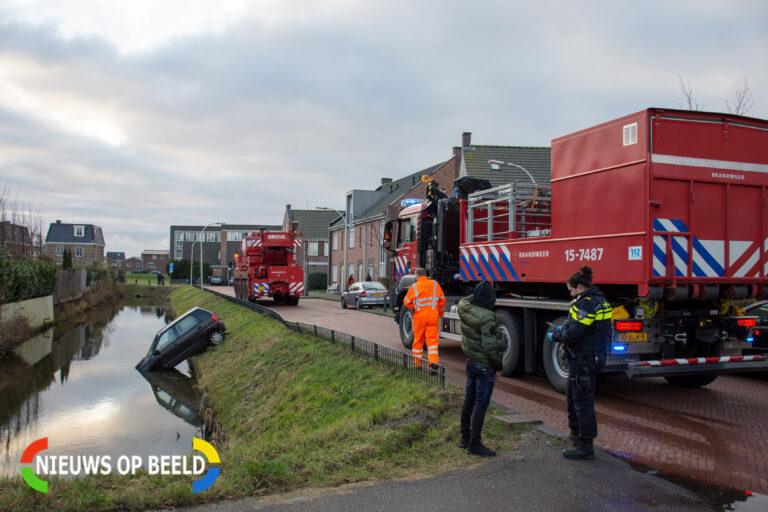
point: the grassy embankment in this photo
(295, 412)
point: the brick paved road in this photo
(715, 435)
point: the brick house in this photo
(154, 260)
(312, 226)
(15, 239)
(86, 241)
(133, 264)
(116, 261)
(369, 210)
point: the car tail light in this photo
(362, 294)
(627, 325)
(746, 322)
(214, 317)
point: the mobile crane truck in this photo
(669, 209)
(265, 268)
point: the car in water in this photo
(189, 334)
(365, 294)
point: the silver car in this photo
(367, 293)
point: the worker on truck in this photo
(426, 298)
(585, 335)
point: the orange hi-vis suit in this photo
(427, 300)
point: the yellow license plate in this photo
(633, 336)
(376, 294)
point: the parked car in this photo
(217, 280)
(366, 293)
(189, 334)
(760, 330)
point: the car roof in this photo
(182, 316)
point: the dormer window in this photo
(80, 231)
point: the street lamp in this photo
(496, 165)
(191, 259)
(201, 248)
(343, 275)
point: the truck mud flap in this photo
(696, 366)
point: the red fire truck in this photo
(669, 209)
(265, 268)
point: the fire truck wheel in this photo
(406, 328)
(343, 304)
(511, 332)
(555, 362)
(690, 381)
(292, 301)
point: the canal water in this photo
(79, 388)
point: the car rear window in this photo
(374, 286)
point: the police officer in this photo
(586, 335)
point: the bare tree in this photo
(20, 230)
(691, 102)
(743, 102)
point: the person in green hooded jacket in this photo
(484, 349)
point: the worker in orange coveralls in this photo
(427, 300)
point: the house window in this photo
(80, 231)
(179, 243)
(312, 248)
(352, 237)
(179, 254)
(59, 251)
(138, 264)
(234, 236)
(154, 256)
(127, 265)
(151, 264)
(334, 273)
(325, 249)
(335, 240)
(78, 252)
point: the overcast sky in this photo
(135, 115)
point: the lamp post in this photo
(201, 249)
(343, 275)
(191, 259)
(499, 163)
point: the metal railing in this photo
(418, 368)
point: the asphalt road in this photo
(712, 439)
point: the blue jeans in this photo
(480, 380)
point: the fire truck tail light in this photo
(619, 348)
(627, 325)
(746, 322)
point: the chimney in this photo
(466, 139)
(58, 221)
(287, 207)
(386, 180)
(457, 152)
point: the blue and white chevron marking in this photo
(708, 255)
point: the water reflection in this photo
(78, 387)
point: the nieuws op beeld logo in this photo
(76, 465)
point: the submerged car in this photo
(367, 293)
(189, 334)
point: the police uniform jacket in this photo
(588, 327)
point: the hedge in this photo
(317, 281)
(22, 279)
